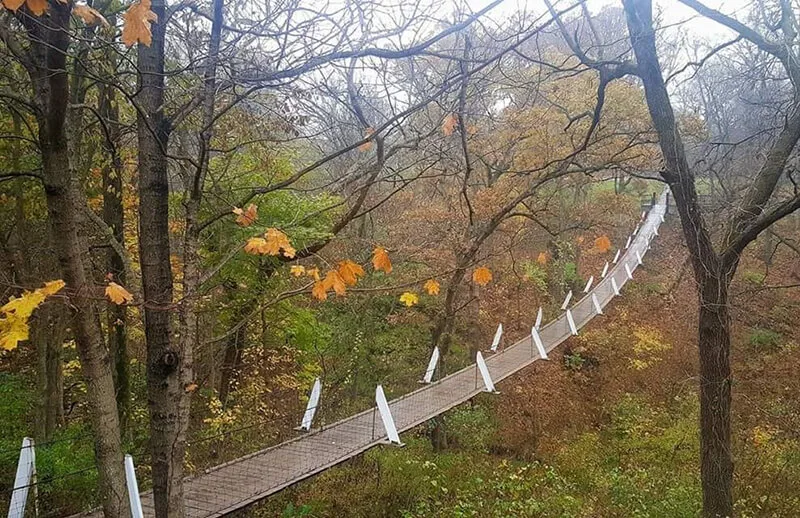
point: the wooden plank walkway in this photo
(238, 483)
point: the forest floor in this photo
(608, 427)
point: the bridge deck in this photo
(236, 484)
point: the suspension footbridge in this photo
(236, 484)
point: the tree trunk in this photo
(167, 399)
(48, 330)
(50, 39)
(113, 216)
(716, 466)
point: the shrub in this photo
(764, 340)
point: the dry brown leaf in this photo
(13, 5)
(137, 24)
(542, 258)
(366, 146)
(117, 294)
(89, 15)
(37, 7)
(449, 124)
(246, 217)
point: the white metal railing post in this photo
(498, 335)
(133, 488)
(566, 301)
(386, 416)
(432, 364)
(311, 406)
(484, 370)
(24, 479)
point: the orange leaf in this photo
(602, 244)
(380, 260)
(318, 291)
(542, 259)
(277, 240)
(117, 294)
(245, 218)
(482, 276)
(89, 15)
(350, 272)
(137, 24)
(13, 5)
(366, 146)
(449, 124)
(335, 282)
(313, 273)
(255, 245)
(432, 287)
(37, 7)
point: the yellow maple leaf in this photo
(449, 124)
(52, 287)
(602, 244)
(335, 282)
(137, 24)
(366, 146)
(380, 260)
(409, 299)
(11, 333)
(89, 15)
(246, 217)
(297, 270)
(15, 313)
(117, 294)
(542, 258)
(319, 291)
(432, 287)
(350, 272)
(313, 273)
(482, 276)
